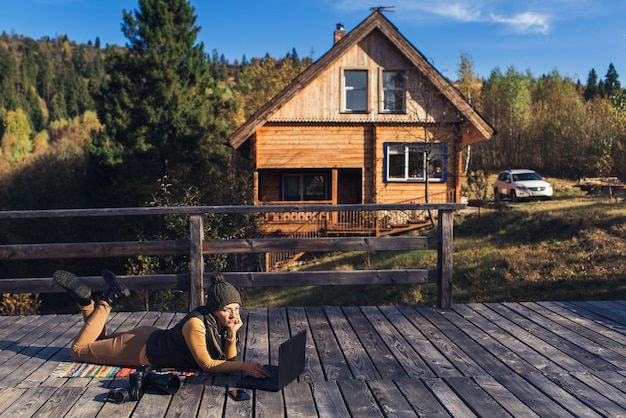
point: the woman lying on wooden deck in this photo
(205, 339)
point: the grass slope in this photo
(570, 248)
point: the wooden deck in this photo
(545, 359)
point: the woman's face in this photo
(228, 315)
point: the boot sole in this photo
(111, 279)
(72, 284)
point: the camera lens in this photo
(119, 395)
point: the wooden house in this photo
(372, 121)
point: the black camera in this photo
(140, 381)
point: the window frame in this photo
(345, 89)
(301, 185)
(407, 146)
(395, 89)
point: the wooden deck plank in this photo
(613, 311)
(473, 327)
(390, 399)
(406, 361)
(266, 404)
(328, 399)
(607, 339)
(59, 403)
(421, 399)
(600, 404)
(586, 343)
(89, 403)
(446, 396)
(10, 395)
(15, 325)
(278, 331)
(30, 401)
(506, 359)
(21, 337)
(590, 320)
(476, 398)
(32, 351)
(420, 357)
(452, 325)
(559, 395)
(212, 403)
(375, 339)
(504, 397)
(330, 355)
(151, 405)
(535, 398)
(489, 324)
(45, 362)
(355, 355)
(359, 400)
(299, 400)
(552, 356)
(461, 361)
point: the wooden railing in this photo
(197, 246)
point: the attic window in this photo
(355, 91)
(394, 91)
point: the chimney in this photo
(340, 32)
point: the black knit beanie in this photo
(221, 293)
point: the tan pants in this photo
(92, 345)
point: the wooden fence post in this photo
(444, 259)
(196, 261)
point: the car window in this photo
(528, 176)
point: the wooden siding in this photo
(388, 192)
(321, 100)
(344, 147)
(281, 147)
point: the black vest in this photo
(168, 349)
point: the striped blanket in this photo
(73, 369)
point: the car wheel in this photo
(513, 196)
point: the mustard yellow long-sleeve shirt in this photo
(194, 333)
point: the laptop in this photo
(290, 365)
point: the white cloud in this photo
(456, 11)
(479, 11)
(526, 22)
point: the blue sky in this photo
(571, 36)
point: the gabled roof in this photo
(376, 21)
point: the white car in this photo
(521, 184)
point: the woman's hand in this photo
(233, 326)
(254, 369)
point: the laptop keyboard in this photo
(269, 383)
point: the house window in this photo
(355, 90)
(305, 186)
(408, 162)
(394, 91)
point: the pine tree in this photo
(591, 90)
(9, 99)
(160, 106)
(611, 82)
